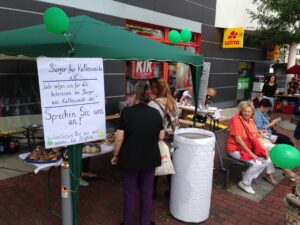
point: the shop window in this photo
(245, 69)
(19, 95)
(145, 31)
(190, 49)
(245, 79)
(141, 70)
(177, 75)
(160, 34)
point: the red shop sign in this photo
(142, 70)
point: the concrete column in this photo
(292, 54)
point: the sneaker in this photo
(290, 174)
(246, 188)
(269, 178)
(92, 175)
(89, 175)
(83, 183)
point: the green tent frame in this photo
(93, 38)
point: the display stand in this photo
(105, 148)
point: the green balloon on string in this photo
(174, 36)
(186, 35)
(285, 156)
(56, 20)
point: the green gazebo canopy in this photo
(94, 38)
(91, 38)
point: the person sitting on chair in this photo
(244, 135)
(292, 86)
(187, 98)
(264, 125)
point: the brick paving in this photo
(23, 201)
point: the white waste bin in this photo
(191, 186)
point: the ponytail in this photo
(163, 91)
(141, 90)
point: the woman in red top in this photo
(243, 132)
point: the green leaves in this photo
(279, 21)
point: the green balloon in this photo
(285, 156)
(174, 36)
(186, 35)
(56, 20)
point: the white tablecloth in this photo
(105, 148)
(191, 108)
(213, 112)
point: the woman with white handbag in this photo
(163, 101)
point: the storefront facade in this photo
(176, 74)
(153, 19)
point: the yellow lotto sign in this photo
(233, 37)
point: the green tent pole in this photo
(196, 77)
(75, 157)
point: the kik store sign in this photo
(142, 69)
(233, 37)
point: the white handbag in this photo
(166, 166)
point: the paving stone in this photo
(23, 200)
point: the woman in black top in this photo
(269, 90)
(137, 153)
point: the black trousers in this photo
(283, 139)
(85, 165)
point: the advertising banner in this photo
(183, 75)
(142, 70)
(243, 83)
(204, 83)
(72, 99)
(233, 37)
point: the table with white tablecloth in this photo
(212, 113)
(105, 148)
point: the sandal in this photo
(290, 174)
(270, 179)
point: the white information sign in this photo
(72, 98)
(204, 83)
